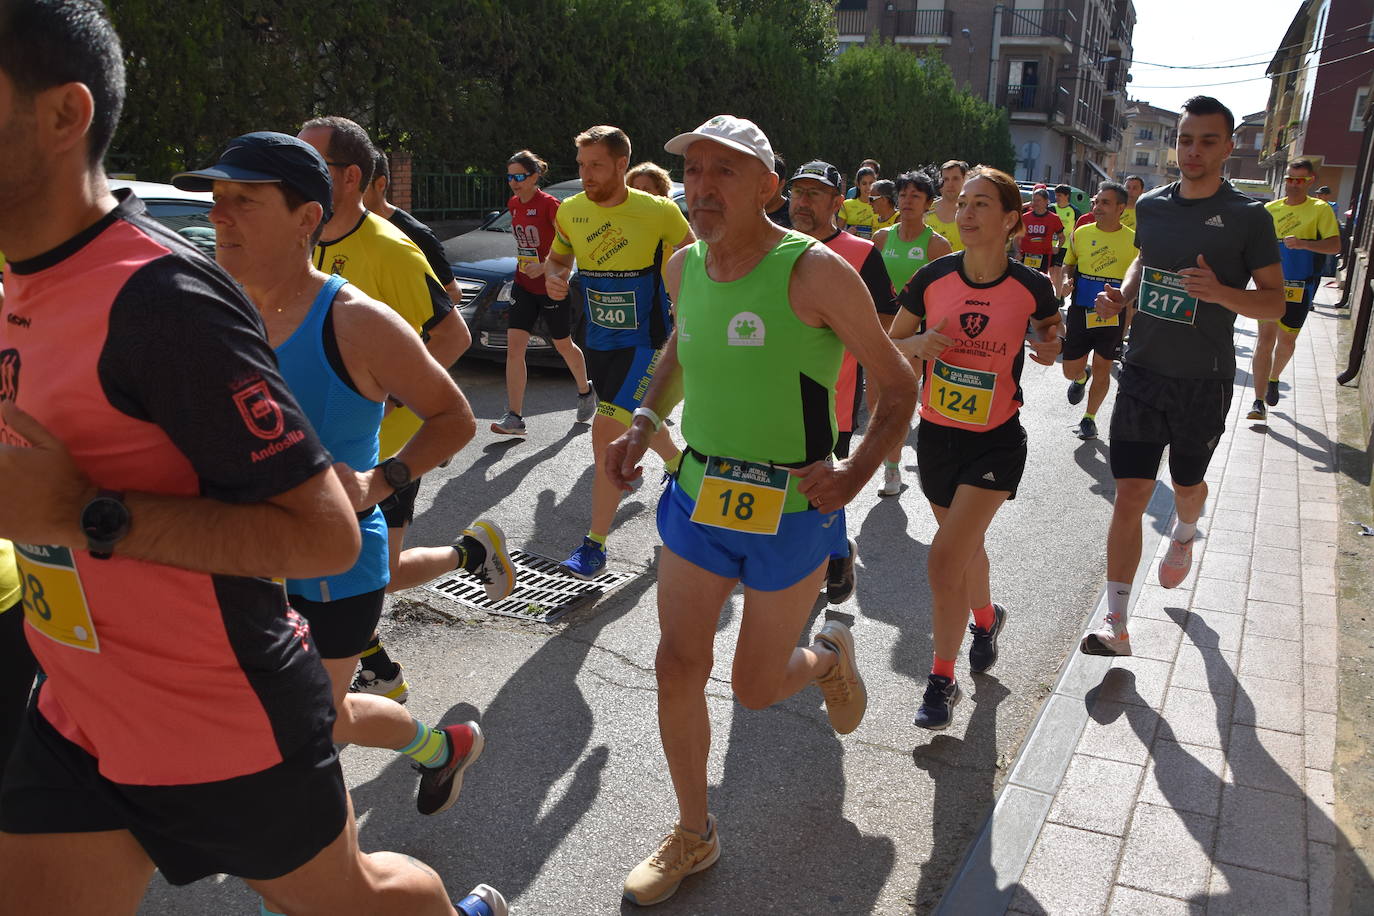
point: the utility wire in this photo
(1265, 76)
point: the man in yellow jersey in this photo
(381, 261)
(763, 318)
(1135, 186)
(1307, 229)
(620, 239)
(941, 217)
(1098, 253)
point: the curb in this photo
(990, 870)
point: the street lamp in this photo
(968, 70)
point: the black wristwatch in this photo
(395, 473)
(106, 521)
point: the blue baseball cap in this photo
(267, 157)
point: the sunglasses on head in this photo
(518, 176)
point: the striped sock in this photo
(429, 748)
(377, 661)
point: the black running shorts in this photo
(526, 306)
(1080, 340)
(1188, 415)
(260, 826)
(341, 628)
(947, 456)
(399, 508)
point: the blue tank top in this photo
(347, 424)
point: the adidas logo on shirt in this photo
(1215, 221)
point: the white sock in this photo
(1118, 600)
(1184, 531)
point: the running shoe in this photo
(937, 706)
(1271, 393)
(839, 576)
(681, 853)
(393, 688)
(496, 573)
(982, 652)
(1257, 411)
(439, 786)
(1105, 640)
(586, 404)
(587, 561)
(892, 482)
(1078, 386)
(1087, 428)
(1173, 569)
(510, 425)
(484, 900)
(846, 698)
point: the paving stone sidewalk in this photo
(1195, 777)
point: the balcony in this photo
(923, 24)
(1051, 26)
(851, 22)
(1030, 101)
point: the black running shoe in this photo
(982, 652)
(839, 576)
(937, 706)
(1257, 411)
(1078, 387)
(1271, 394)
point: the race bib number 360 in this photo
(614, 310)
(962, 394)
(741, 496)
(54, 601)
(1163, 296)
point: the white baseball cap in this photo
(737, 133)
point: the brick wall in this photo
(400, 192)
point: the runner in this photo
(815, 201)
(1309, 232)
(768, 311)
(877, 168)
(17, 667)
(941, 217)
(620, 238)
(1068, 218)
(1200, 243)
(380, 261)
(779, 208)
(157, 471)
(532, 222)
(374, 199)
(341, 353)
(856, 213)
(1098, 254)
(1043, 231)
(882, 197)
(1135, 186)
(906, 249)
(974, 309)
(650, 178)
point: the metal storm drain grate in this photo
(543, 590)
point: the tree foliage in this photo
(467, 82)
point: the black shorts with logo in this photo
(947, 456)
(526, 306)
(343, 627)
(1080, 340)
(1187, 414)
(260, 826)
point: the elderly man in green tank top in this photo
(764, 315)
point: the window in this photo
(1142, 158)
(1145, 133)
(1357, 115)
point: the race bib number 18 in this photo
(741, 496)
(54, 601)
(1163, 296)
(614, 310)
(962, 394)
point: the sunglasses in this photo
(1297, 179)
(521, 176)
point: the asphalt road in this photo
(573, 791)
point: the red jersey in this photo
(975, 383)
(1040, 232)
(533, 226)
(151, 366)
(867, 262)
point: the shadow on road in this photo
(891, 586)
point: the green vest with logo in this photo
(903, 259)
(758, 384)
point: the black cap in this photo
(1324, 189)
(820, 171)
(267, 157)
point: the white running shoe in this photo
(1105, 640)
(892, 482)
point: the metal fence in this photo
(438, 193)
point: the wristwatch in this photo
(106, 521)
(395, 473)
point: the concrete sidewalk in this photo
(1196, 776)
